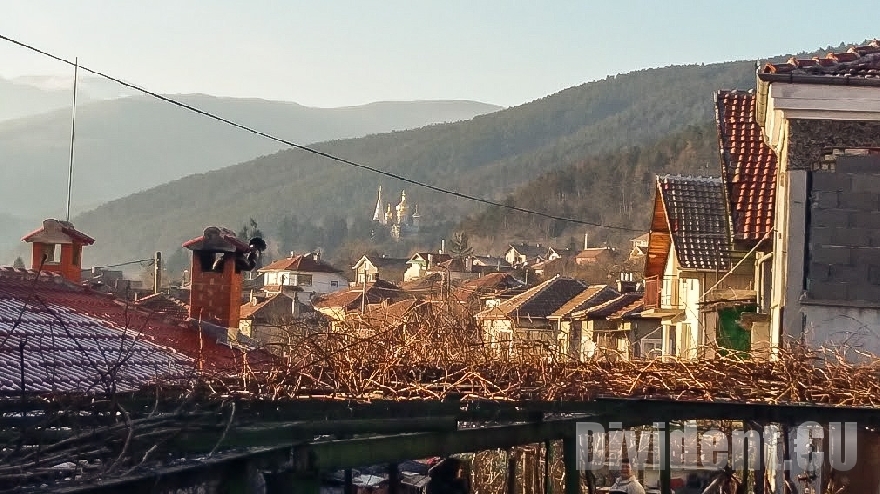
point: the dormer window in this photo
(50, 254)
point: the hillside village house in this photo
(529, 254)
(524, 318)
(574, 338)
(689, 253)
(338, 306)
(644, 333)
(373, 268)
(307, 272)
(603, 336)
(821, 117)
(592, 255)
(421, 262)
(639, 246)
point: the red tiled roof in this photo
(593, 253)
(351, 299)
(73, 302)
(64, 227)
(697, 220)
(303, 263)
(862, 62)
(748, 165)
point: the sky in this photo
(339, 53)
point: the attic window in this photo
(50, 254)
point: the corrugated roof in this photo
(697, 219)
(748, 165)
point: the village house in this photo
(689, 255)
(273, 322)
(574, 337)
(821, 117)
(644, 333)
(373, 268)
(528, 254)
(602, 336)
(338, 306)
(488, 290)
(522, 321)
(489, 264)
(639, 246)
(308, 272)
(421, 262)
(593, 255)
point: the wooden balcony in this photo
(662, 295)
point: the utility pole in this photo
(157, 272)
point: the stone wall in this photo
(843, 232)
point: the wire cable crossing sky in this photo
(315, 151)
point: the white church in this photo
(399, 222)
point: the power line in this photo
(313, 150)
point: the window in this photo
(649, 348)
(77, 250)
(304, 280)
(334, 283)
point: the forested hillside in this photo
(491, 155)
(615, 189)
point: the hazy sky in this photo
(334, 53)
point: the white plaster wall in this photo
(854, 327)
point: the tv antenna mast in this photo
(72, 136)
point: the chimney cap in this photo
(58, 232)
(217, 239)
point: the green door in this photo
(730, 334)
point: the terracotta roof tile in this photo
(631, 311)
(72, 301)
(303, 263)
(351, 299)
(748, 165)
(861, 62)
(697, 219)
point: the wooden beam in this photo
(569, 457)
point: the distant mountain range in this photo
(604, 131)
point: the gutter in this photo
(767, 78)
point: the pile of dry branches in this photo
(435, 351)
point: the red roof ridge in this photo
(857, 61)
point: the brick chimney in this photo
(57, 247)
(218, 260)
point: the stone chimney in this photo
(218, 261)
(57, 248)
(586, 241)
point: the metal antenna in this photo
(72, 136)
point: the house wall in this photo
(498, 333)
(829, 245)
(415, 271)
(320, 282)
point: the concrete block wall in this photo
(844, 232)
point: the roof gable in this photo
(748, 166)
(303, 263)
(697, 220)
(58, 232)
(542, 300)
(591, 296)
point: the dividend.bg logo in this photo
(689, 448)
